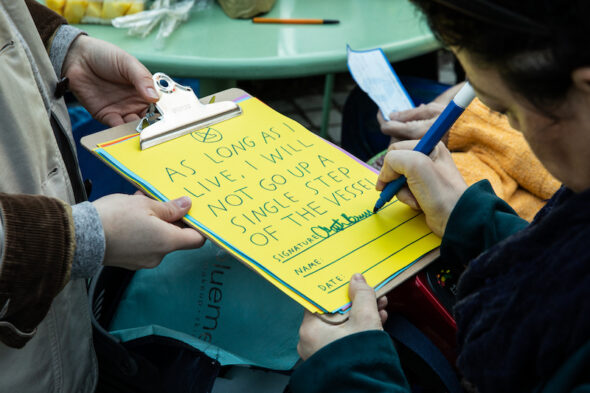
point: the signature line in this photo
(384, 259)
(362, 245)
(315, 244)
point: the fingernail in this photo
(152, 93)
(358, 277)
(182, 202)
(393, 116)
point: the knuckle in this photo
(165, 210)
(364, 292)
(363, 297)
(412, 166)
(419, 161)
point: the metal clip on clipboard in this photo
(179, 112)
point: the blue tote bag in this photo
(171, 329)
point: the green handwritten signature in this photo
(340, 224)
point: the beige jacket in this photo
(59, 357)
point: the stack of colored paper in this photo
(290, 205)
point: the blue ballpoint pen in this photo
(431, 138)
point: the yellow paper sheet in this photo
(292, 206)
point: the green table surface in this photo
(212, 45)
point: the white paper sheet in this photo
(373, 73)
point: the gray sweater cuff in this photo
(60, 45)
(90, 243)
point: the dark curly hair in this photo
(534, 44)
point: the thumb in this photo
(364, 303)
(174, 210)
(141, 78)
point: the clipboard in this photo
(91, 142)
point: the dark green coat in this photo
(368, 361)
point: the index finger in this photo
(387, 173)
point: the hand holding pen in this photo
(440, 127)
(435, 181)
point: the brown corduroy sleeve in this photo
(46, 21)
(39, 243)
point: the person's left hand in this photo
(412, 123)
(140, 231)
(110, 83)
(366, 313)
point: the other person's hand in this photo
(434, 184)
(140, 231)
(110, 83)
(413, 123)
(366, 313)
(410, 124)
